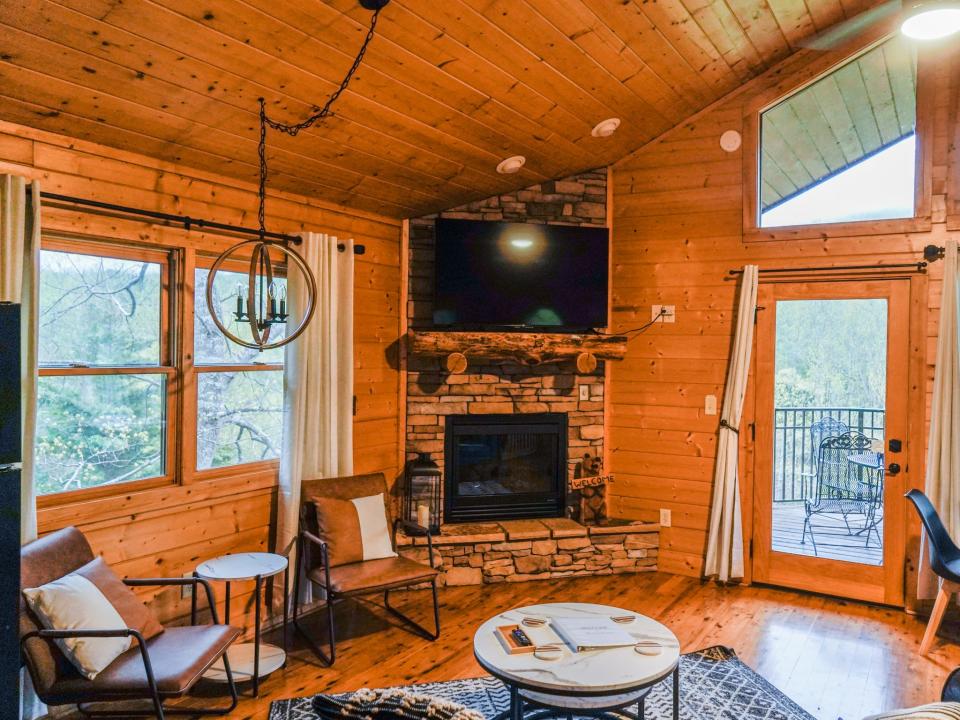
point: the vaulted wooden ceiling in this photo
(448, 87)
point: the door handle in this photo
(893, 469)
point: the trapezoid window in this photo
(843, 148)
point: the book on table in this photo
(594, 633)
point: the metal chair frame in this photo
(155, 696)
(841, 490)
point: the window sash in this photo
(178, 267)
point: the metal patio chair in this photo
(841, 491)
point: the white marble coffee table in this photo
(595, 682)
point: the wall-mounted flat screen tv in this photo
(520, 276)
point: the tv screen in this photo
(500, 275)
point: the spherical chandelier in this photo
(262, 300)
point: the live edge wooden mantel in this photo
(458, 348)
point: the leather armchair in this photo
(163, 667)
(356, 578)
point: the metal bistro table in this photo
(595, 683)
(249, 661)
(870, 463)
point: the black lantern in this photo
(421, 502)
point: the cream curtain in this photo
(19, 276)
(725, 539)
(943, 446)
(318, 382)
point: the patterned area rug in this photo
(714, 683)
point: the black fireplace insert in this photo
(505, 467)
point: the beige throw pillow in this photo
(75, 603)
(354, 530)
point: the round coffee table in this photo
(599, 683)
(248, 661)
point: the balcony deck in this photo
(833, 542)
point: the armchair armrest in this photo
(307, 536)
(125, 632)
(180, 581)
(418, 529)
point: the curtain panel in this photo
(943, 445)
(318, 384)
(724, 558)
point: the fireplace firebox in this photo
(505, 467)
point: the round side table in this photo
(248, 661)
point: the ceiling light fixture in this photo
(605, 128)
(930, 19)
(511, 165)
(261, 301)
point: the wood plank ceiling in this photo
(860, 108)
(448, 87)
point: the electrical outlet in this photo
(665, 518)
(663, 313)
(710, 405)
(186, 591)
(584, 392)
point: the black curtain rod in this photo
(185, 220)
(931, 253)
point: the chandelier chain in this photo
(295, 128)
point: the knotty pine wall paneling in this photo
(677, 229)
(166, 531)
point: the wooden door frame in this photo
(913, 410)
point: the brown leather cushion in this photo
(179, 657)
(42, 561)
(374, 575)
(135, 614)
(347, 488)
(338, 525)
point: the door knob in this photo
(893, 469)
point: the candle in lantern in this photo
(423, 515)
(283, 301)
(239, 301)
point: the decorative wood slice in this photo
(586, 362)
(456, 362)
(524, 348)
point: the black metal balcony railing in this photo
(794, 454)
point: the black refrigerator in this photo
(10, 450)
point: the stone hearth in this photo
(521, 550)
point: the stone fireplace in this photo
(463, 421)
(505, 388)
(505, 467)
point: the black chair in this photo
(840, 490)
(944, 561)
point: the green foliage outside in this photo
(831, 353)
(96, 429)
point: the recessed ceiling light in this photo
(522, 243)
(930, 19)
(605, 128)
(511, 165)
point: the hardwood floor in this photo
(838, 659)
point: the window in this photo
(239, 390)
(103, 401)
(112, 394)
(843, 148)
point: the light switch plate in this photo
(710, 405)
(665, 517)
(584, 392)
